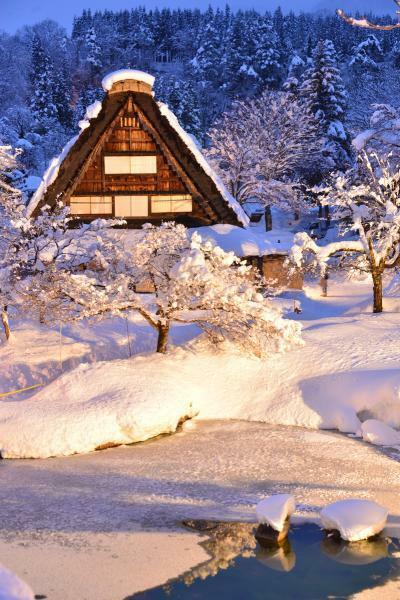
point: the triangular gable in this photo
(182, 163)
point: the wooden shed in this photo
(133, 160)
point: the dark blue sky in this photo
(15, 13)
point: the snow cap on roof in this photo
(125, 75)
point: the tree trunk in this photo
(324, 285)
(377, 281)
(162, 341)
(4, 320)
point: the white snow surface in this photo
(275, 510)
(354, 519)
(247, 241)
(12, 587)
(203, 163)
(379, 433)
(124, 74)
(346, 374)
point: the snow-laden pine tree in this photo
(295, 71)
(42, 79)
(182, 98)
(207, 61)
(368, 54)
(62, 91)
(267, 56)
(324, 95)
(197, 282)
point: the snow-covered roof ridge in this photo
(203, 163)
(126, 74)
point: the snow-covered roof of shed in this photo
(126, 74)
(246, 242)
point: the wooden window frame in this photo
(130, 159)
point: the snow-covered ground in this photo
(72, 524)
(346, 373)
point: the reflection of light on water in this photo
(277, 557)
(355, 553)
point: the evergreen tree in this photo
(62, 93)
(207, 62)
(367, 55)
(324, 94)
(267, 54)
(42, 101)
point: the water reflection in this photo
(305, 566)
(365, 552)
(278, 557)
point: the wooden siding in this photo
(127, 135)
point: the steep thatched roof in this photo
(63, 174)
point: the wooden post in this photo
(268, 218)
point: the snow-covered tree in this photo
(324, 94)
(366, 201)
(267, 56)
(196, 281)
(8, 194)
(182, 98)
(207, 61)
(271, 138)
(367, 54)
(38, 255)
(383, 134)
(42, 75)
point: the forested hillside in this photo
(203, 61)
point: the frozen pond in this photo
(308, 566)
(106, 525)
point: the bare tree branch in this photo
(365, 23)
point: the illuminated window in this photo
(131, 206)
(91, 205)
(132, 165)
(174, 203)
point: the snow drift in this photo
(12, 587)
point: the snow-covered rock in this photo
(12, 587)
(275, 510)
(124, 74)
(354, 519)
(379, 433)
